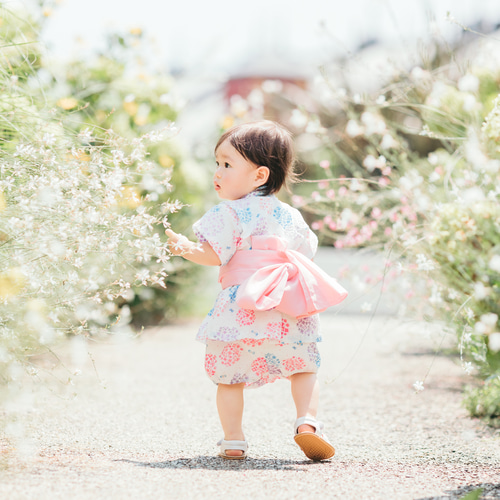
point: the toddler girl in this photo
(264, 324)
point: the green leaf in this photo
(473, 495)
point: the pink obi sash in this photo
(270, 276)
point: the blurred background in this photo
(214, 49)
(395, 111)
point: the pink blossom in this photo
(332, 226)
(376, 213)
(366, 232)
(339, 244)
(342, 191)
(324, 164)
(384, 181)
(297, 201)
(388, 231)
(373, 224)
(386, 171)
(327, 219)
(323, 184)
(317, 225)
(315, 196)
(330, 194)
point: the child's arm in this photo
(199, 254)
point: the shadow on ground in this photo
(484, 491)
(217, 463)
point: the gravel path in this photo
(151, 432)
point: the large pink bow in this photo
(271, 276)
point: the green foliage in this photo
(83, 203)
(104, 93)
(473, 495)
(484, 402)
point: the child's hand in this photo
(178, 243)
(199, 253)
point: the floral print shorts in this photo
(258, 362)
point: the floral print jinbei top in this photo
(228, 227)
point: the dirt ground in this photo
(143, 423)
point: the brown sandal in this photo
(315, 445)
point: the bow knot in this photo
(270, 276)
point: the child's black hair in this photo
(265, 144)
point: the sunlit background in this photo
(395, 111)
(205, 44)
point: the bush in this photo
(82, 212)
(413, 171)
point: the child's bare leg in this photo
(305, 393)
(230, 408)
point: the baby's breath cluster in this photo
(75, 235)
(82, 212)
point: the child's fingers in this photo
(171, 234)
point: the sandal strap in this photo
(233, 445)
(318, 426)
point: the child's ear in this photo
(262, 175)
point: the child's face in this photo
(235, 176)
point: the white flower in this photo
(418, 386)
(272, 86)
(467, 335)
(435, 297)
(424, 264)
(494, 341)
(417, 74)
(434, 177)
(473, 195)
(373, 124)
(469, 313)
(411, 180)
(480, 328)
(370, 163)
(489, 319)
(182, 244)
(388, 142)
(468, 83)
(85, 135)
(470, 103)
(468, 368)
(480, 291)
(298, 119)
(494, 263)
(353, 129)
(49, 139)
(366, 307)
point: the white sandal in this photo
(315, 445)
(233, 445)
